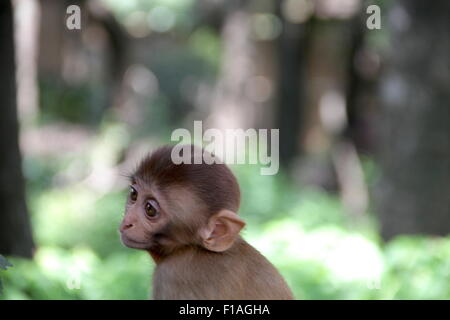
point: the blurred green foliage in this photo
(180, 10)
(72, 103)
(304, 232)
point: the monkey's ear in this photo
(221, 231)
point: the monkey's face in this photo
(160, 220)
(174, 206)
(144, 217)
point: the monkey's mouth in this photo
(135, 244)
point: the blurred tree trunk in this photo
(93, 57)
(15, 230)
(27, 17)
(291, 52)
(361, 95)
(413, 195)
(232, 106)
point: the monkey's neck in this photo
(155, 256)
(158, 255)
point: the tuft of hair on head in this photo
(214, 183)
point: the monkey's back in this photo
(240, 273)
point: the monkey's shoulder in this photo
(241, 272)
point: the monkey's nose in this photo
(126, 226)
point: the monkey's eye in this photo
(133, 194)
(150, 209)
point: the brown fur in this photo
(240, 273)
(214, 184)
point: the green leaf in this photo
(4, 264)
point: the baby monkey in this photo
(185, 216)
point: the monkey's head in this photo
(171, 205)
